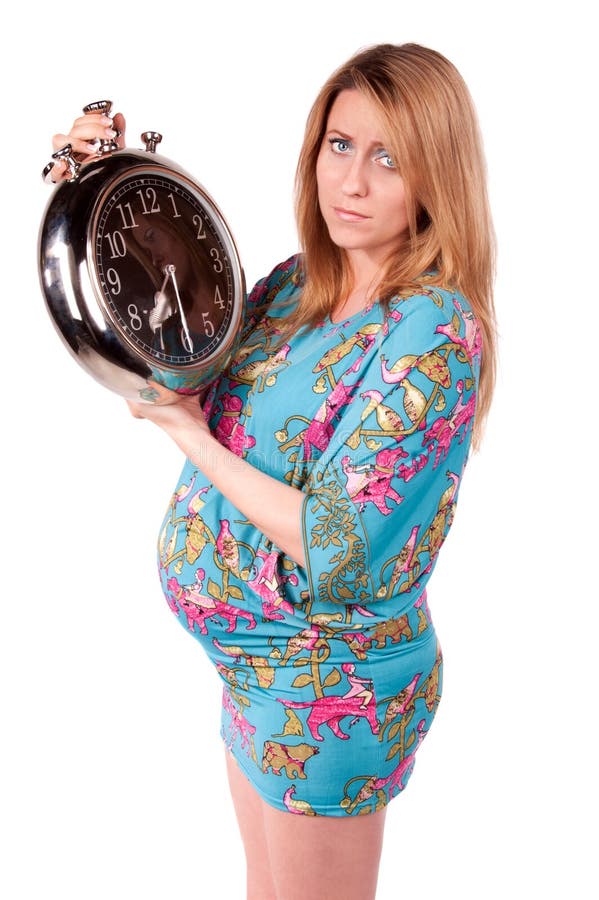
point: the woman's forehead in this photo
(353, 114)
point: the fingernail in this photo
(106, 120)
(109, 132)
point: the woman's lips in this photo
(349, 215)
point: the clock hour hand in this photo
(170, 270)
(162, 307)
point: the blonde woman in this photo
(323, 467)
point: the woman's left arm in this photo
(273, 507)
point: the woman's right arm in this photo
(84, 133)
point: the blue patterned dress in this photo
(331, 673)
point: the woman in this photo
(323, 469)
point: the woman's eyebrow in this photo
(377, 142)
(340, 132)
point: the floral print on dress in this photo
(331, 672)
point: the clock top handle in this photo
(103, 107)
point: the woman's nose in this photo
(355, 182)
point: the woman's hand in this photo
(84, 133)
(179, 415)
(273, 506)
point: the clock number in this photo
(176, 214)
(208, 326)
(217, 265)
(151, 195)
(134, 316)
(128, 220)
(113, 279)
(117, 244)
(201, 235)
(186, 341)
(218, 300)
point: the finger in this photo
(87, 128)
(57, 172)
(119, 124)
(80, 143)
(81, 149)
(95, 118)
(88, 131)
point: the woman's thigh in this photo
(249, 812)
(324, 857)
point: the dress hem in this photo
(329, 812)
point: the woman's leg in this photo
(249, 811)
(324, 857)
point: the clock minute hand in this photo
(170, 270)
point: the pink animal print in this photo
(196, 501)
(303, 641)
(230, 432)
(239, 725)
(472, 341)
(366, 342)
(406, 473)
(297, 807)
(393, 314)
(320, 430)
(372, 483)
(404, 561)
(198, 607)
(395, 779)
(184, 489)
(422, 601)
(390, 376)
(331, 709)
(444, 428)
(267, 584)
(399, 704)
(228, 548)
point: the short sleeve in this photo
(271, 295)
(381, 499)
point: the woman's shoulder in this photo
(428, 293)
(286, 276)
(433, 314)
(270, 293)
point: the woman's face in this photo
(361, 193)
(162, 248)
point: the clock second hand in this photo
(170, 270)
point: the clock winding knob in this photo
(65, 153)
(104, 107)
(150, 139)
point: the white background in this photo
(113, 778)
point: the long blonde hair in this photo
(433, 136)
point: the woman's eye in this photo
(339, 145)
(149, 236)
(385, 160)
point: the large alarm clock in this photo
(140, 271)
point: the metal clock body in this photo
(141, 274)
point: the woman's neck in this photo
(365, 276)
(356, 300)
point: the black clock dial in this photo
(162, 263)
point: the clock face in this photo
(165, 268)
